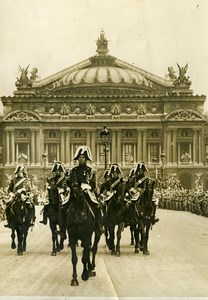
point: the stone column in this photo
(93, 145)
(62, 146)
(139, 145)
(200, 146)
(194, 155)
(12, 148)
(68, 154)
(175, 146)
(33, 147)
(144, 148)
(168, 139)
(7, 147)
(113, 150)
(118, 142)
(88, 138)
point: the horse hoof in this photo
(24, 249)
(53, 253)
(132, 243)
(19, 253)
(136, 250)
(74, 282)
(61, 247)
(146, 252)
(92, 273)
(13, 246)
(85, 276)
(118, 253)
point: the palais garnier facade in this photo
(152, 119)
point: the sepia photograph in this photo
(103, 149)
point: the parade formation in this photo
(77, 206)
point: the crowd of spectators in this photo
(172, 196)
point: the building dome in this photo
(104, 74)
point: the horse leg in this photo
(20, 241)
(92, 272)
(86, 260)
(143, 236)
(74, 260)
(146, 251)
(13, 244)
(111, 239)
(54, 239)
(132, 230)
(24, 242)
(119, 230)
(136, 237)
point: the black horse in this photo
(114, 215)
(56, 213)
(22, 217)
(140, 217)
(81, 225)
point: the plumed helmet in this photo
(141, 165)
(83, 150)
(57, 166)
(21, 168)
(115, 168)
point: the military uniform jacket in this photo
(82, 174)
(136, 182)
(110, 184)
(19, 183)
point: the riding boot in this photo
(8, 216)
(126, 215)
(44, 221)
(154, 218)
(99, 220)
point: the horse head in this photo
(146, 197)
(120, 194)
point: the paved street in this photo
(177, 265)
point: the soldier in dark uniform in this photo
(20, 185)
(82, 176)
(57, 183)
(114, 177)
(136, 183)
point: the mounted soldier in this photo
(136, 185)
(19, 188)
(82, 177)
(57, 185)
(113, 176)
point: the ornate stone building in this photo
(154, 119)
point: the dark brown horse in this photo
(56, 213)
(114, 216)
(140, 217)
(22, 216)
(81, 225)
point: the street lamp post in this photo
(44, 156)
(105, 138)
(162, 156)
(154, 160)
